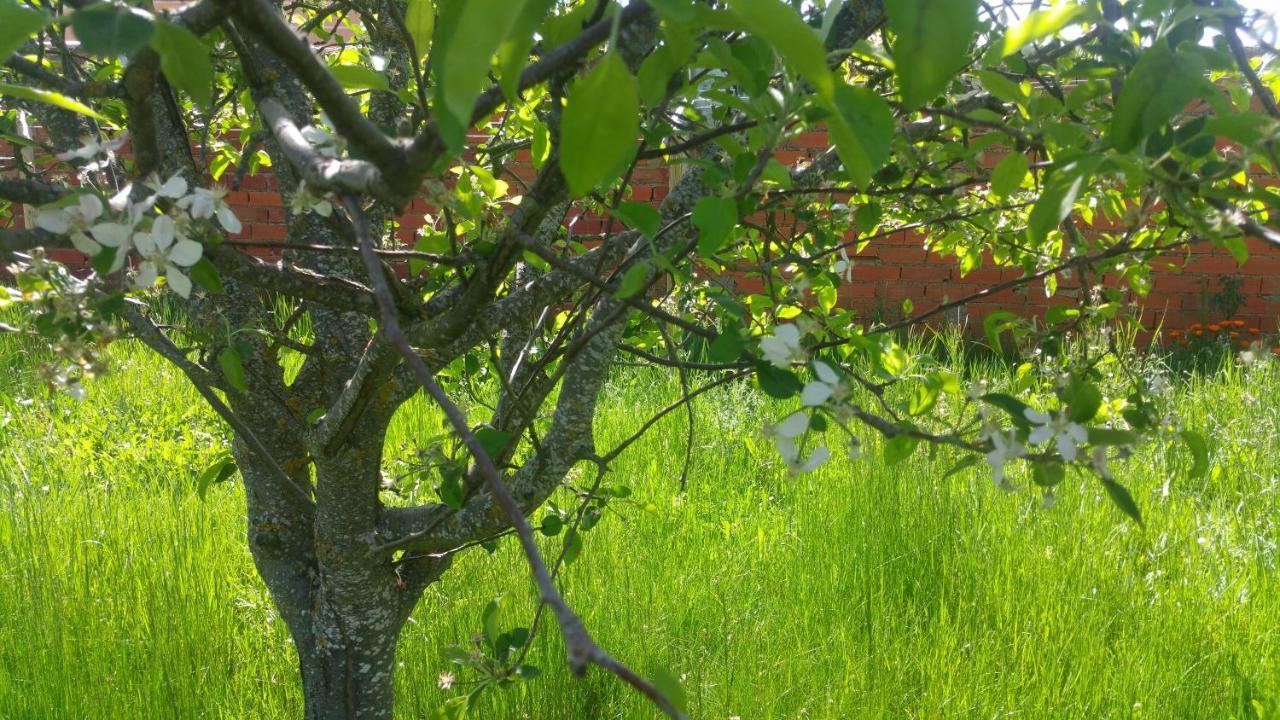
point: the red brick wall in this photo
(893, 269)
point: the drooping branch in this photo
(582, 649)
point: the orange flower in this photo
(1215, 328)
(1199, 333)
(1242, 343)
(1195, 327)
(1233, 333)
(1255, 331)
(1175, 334)
(1275, 351)
(1238, 323)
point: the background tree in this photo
(1082, 140)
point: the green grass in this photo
(857, 591)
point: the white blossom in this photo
(205, 203)
(1004, 447)
(782, 347)
(173, 188)
(90, 148)
(784, 435)
(820, 390)
(1066, 434)
(304, 199)
(324, 143)
(166, 250)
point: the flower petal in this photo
(819, 456)
(825, 373)
(788, 334)
(815, 393)
(228, 220)
(163, 231)
(186, 252)
(54, 221)
(90, 206)
(1040, 434)
(1035, 416)
(792, 426)
(147, 274)
(84, 244)
(1066, 448)
(111, 234)
(178, 282)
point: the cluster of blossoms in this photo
(1061, 437)
(135, 221)
(64, 309)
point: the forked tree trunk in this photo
(344, 606)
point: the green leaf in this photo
(1084, 400)
(1199, 452)
(221, 470)
(669, 685)
(996, 323)
(420, 21)
(1160, 85)
(640, 216)
(205, 274)
(489, 620)
(714, 217)
(676, 10)
(50, 98)
(1123, 500)
(513, 52)
(600, 124)
(1010, 404)
(359, 77)
(1047, 474)
(793, 39)
(1039, 25)
(932, 45)
(184, 60)
(455, 708)
(551, 525)
(899, 448)
(467, 37)
(1008, 174)
(968, 462)
(727, 347)
(776, 382)
(112, 30)
(450, 487)
(1111, 437)
(17, 23)
(862, 128)
(633, 280)
(492, 440)
(572, 546)
(1061, 189)
(233, 368)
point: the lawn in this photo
(858, 591)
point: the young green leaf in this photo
(633, 280)
(932, 45)
(640, 216)
(1040, 24)
(862, 128)
(112, 30)
(797, 43)
(51, 98)
(513, 52)
(420, 21)
(358, 77)
(1061, 189)
(1161, 84)
(600, 124)
(233, 368)
(714, 217)
(17, 23)
(1199, 452)
(467, 37)
(184, 60)
(1123, 500)
(1008, 174)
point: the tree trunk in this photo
(343, 603)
